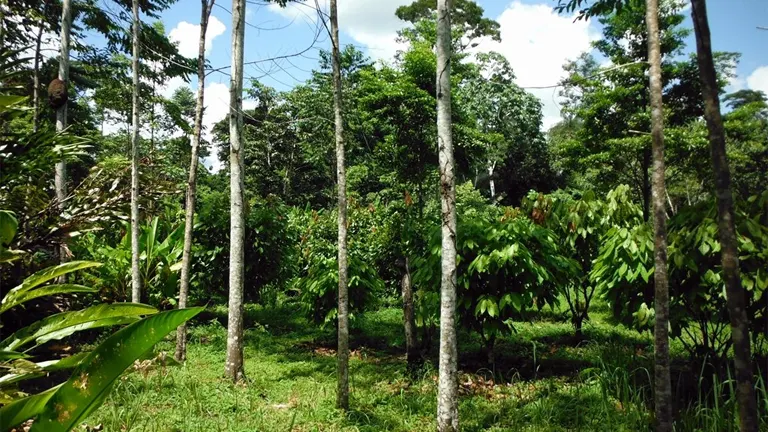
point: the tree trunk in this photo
(189, 216)
(135, 274)
(447, 391)
(646, 165)
(2, 23)
(60, 174)
(36, 78)
(735, 294)
(234, 365)
(491, 168)
(342, 395)
(663, 385)
(411, 343)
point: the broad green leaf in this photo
(35, 370)
(49, 273)
(24, 409)
(16, 298)
(11, 355)
(8, 227)
(65, 323)
(9, 255)
(90, 382)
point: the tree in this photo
(610, 106)
(466, 16)
(342, 395)
(135, 233)
(447, 390)
(663, 385)
(234, 369)
(736, 295)
(744, 97)
(60, 176)
(189, 211)
(507, 120)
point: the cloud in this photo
(371, 23)
(758, 80)
(187, 36)
(538, 42)
(216, 109)
(735, 84)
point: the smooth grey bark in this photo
(736, 297)
(492, 183)
(135, 274)
(662, 384)
(342, 392)
(409, 320)
(60, 178)
(189, 213)
(447, 390)
(234, 369)
(60, 171)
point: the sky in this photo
(535, 39)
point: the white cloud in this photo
(758, 80)
(187, 35)
(735, 83)
(216, 109)
(371, 23)
(538, 42)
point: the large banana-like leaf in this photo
(11, 355)
(31, 370)
(42, 277)
(15, 299)
(90, 382)
(24, 409)
(65, 323)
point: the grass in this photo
(541, 382)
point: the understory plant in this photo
(23, 357)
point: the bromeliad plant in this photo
(62, 407)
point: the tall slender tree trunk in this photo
(411, 341)
(135, 274)
(491, 182)
(60, 174)
(189, 216)
(447, 390)
(2, 24)
(36, 77)
(342, 395)
(735, 294)
(663, 385)
(234, 365)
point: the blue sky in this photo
(535, 39)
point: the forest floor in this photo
(543, 380)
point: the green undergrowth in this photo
(543, 380)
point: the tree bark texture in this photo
(60, 170)
(662, 385)
(135, 249)
(342, 393)
(189, 216)
(36, 78)
(409, 320)
(735, 295)
(447, 391)
(234, 369)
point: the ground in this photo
(543, 381)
